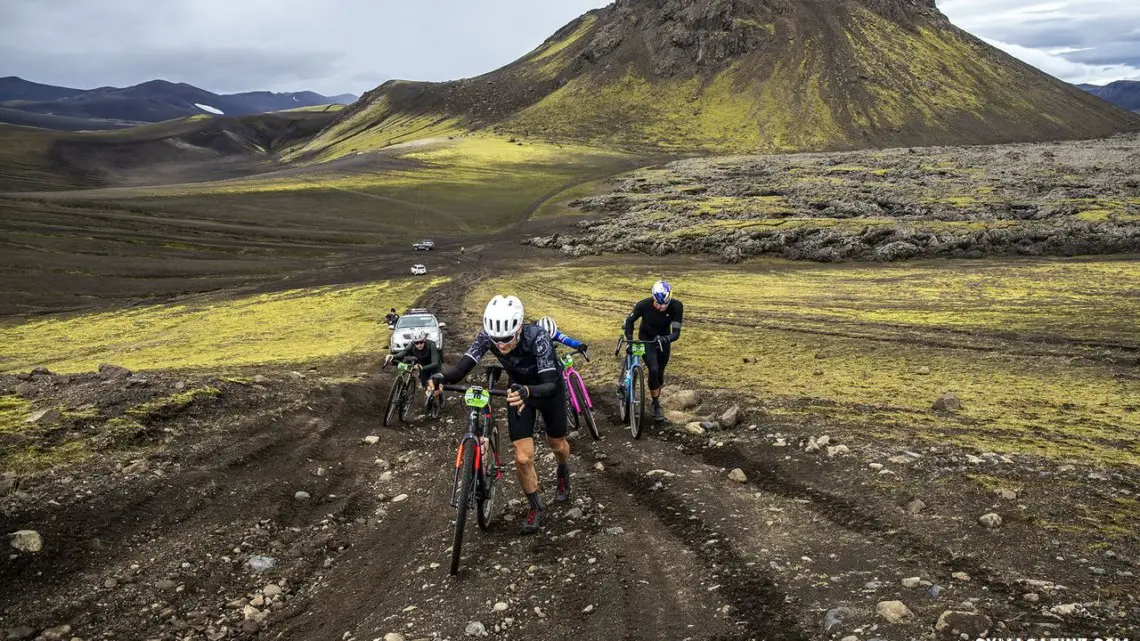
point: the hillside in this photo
(153, 101)
(744, 75)
(1122, 93)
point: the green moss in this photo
(172, 404)
(32, 459)
(13, 412)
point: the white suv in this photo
(425, 244)
(412, 319)
(418, 270)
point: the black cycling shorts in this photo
(425, 374)
(655, 362)
(553, 410)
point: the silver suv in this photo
(416, 318)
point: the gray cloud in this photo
(354, 45)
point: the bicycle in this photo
(631, 394)
(578, 397)
(477, 468)
(400, 397)
(433, 406)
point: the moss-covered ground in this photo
(1041, 354)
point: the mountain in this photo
(152, 101)
(1122, 93)
(13, 88)
(744, 76)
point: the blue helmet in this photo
(662, 292)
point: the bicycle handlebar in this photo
(579, 352)
(623, 339)
(463, 388)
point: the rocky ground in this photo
(1059, 199)
(272, 504)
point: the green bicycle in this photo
(400, 396)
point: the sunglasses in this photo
(507, 344)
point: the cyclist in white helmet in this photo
(527, 355)
(547, 323)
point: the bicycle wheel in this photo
(393, 406)
(623, 402)
(587, 413)
(406, 400)
(571, 415)
(485, 500)
(637, 403)
(466, 487)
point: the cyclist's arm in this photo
(402, 354)
(548, 377)
(547, 386)
(638, 310)
(436, 360)
(676, 326)
(572, 343)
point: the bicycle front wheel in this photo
(406, 401)
(637, 403)
(393, 405)
(466, 487)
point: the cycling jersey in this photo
(530, 363)
(429, 357)
(655, 323)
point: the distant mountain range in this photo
(34, 104)
(1122, 93)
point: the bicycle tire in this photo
(571, 415)
(485, 501)
(393, 395)
(587, 413)
(637, 406)
(466, 487)
(406, 401)
(623, 400)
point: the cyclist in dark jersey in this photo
(661, 316)
(424, 350)
(527, 356)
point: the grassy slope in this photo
(294, 326)
(844, 347)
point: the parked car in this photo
(425, 244)
(413, 318)
(418, 270)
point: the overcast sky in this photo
(335, 46)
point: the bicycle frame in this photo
(569, 374)
(474, 435)
(634, 359)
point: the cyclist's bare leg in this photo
(524, 465)
(560, 447)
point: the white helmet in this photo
(503, 316)
(419, 335)
(549, 325)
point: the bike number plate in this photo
(568, 361)
(639, 350)
(404, 367)
(477, 397)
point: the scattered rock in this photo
(19, 633)
(297, 376)
(915, 506)
(260, 380)
(893, 611)
(541, 614)
(1031, 597)
(501, 606)
(1008, 495)
(737, 475)
(111, 583)
(682, 400)
(812, 446)
(383, 465)
(836, 450)
(599, 466)
(1066, 609)
(695, 429)
(259, 563)
(394, 636)
(664, 473)
(27, 541)
(955, 624)
(835, 617)
(947, 403)
(138, 467)
(922, 371)
(301, 495)
(58, 633)
(44, 417)
(475, 629)
(41, 371)
(991, 520)
(574, 513)
(901, 459)
(110, 372)
(399, 498)
(615, 531)
(731, 418)
(679, 418)
(935, 591)
(960, 576)
(272, 590)
(371, 440)
(588, 609)
(8, 482)
(710, 426)
(911, 582)
(166, 584)
(385, 477)
(26, 390)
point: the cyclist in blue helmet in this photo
(661, 316)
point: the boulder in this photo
(679, 418)
(26, 390)
(731, 418)
(953, 624)
(44, 417)
(27, 541)
(110, 372)
(737, 475)
(947, 403)
(991, 520)
(682, 400)
(893, 611)
(695, 429)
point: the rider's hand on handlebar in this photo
(387, 360)
(662, 341)
(517, 396)
(435, 382)
(583, 349)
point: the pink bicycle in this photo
(579, 404)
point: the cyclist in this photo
(547, 323)
(392, 317)
(661, 317)
(424, 351)
(527, 355)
